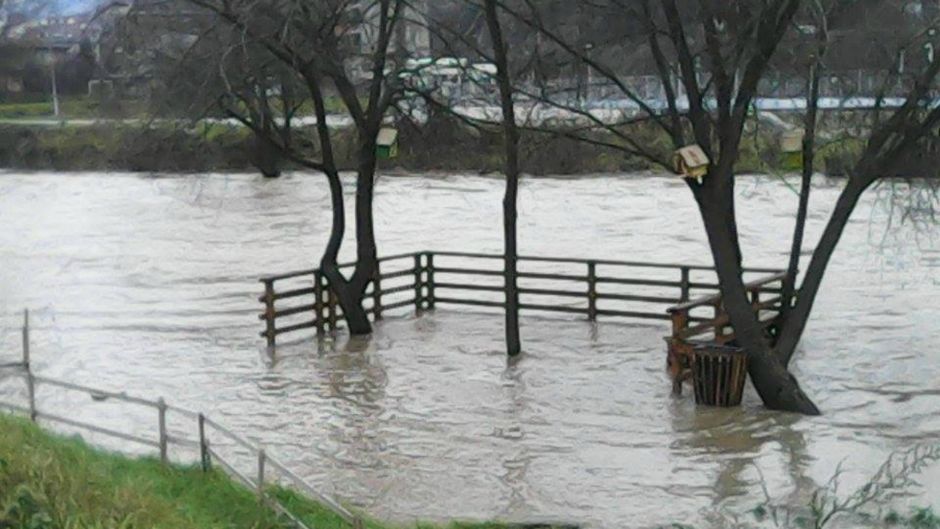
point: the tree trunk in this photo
(348, 298)
(809, 154)
(511, 153)
(266, 157)
(778, 389)
(795, 324)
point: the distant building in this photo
(412, 37)
(31, 44)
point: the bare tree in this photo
(709, 58)
(310, 40)
(511, 161)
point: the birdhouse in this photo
(387, 144)
(692, 162)
(791, 147)
(791, 141)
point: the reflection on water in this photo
(149, 285)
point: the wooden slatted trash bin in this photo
(718, 374)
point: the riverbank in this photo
(442, 145)
(51, 481)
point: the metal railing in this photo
(268, 467)
(691, 325)
(424, 280)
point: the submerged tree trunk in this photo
(778, 389)
(348, 298)
(511, 146)
(266, 157)
(349, 293)
(810, 124)
(795, 323)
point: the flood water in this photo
(149, 285)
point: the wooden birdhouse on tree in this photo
(387, 144)
(791, 145)
(692, 162)
(791, 141)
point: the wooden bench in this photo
(690, 328)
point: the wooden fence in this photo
(425, 280)
(208, 435)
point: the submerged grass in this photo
(49, 481)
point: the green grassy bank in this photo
(53, 482)
(48, 481)
(442, 145)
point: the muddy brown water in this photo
(149, 285)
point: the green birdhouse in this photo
(387, 144)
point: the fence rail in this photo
(421, 281)
(268, 468)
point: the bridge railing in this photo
(593, 288)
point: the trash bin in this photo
(718, 375)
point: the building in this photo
(412, 37)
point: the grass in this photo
(50, 481)
(71, 108)
(74, 107)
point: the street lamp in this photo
(55, 88)
(929, 46)
(588, 46)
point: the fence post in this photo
(31, 392)
(30, 381)
(719, 327)
(331, 305)
(203, 444)
(377, 292)
(592, 290)
(684, 285)
(358, 523)
(418, 284)
(269, 312)
(161, 408)
(430, 268)
(261, 461)
(26, 339)
(318, 302)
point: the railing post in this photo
(418, 285)
(30, 381)
(269, 312)
(331, 305)
(26, 339)
(377, 292)
(318, 302)
(592, 290)
(430, 282)
(31, 393)
(684, 284)
(203, 445)
(261, 461)
(161, 408)
(674, 359)
(719, 326)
